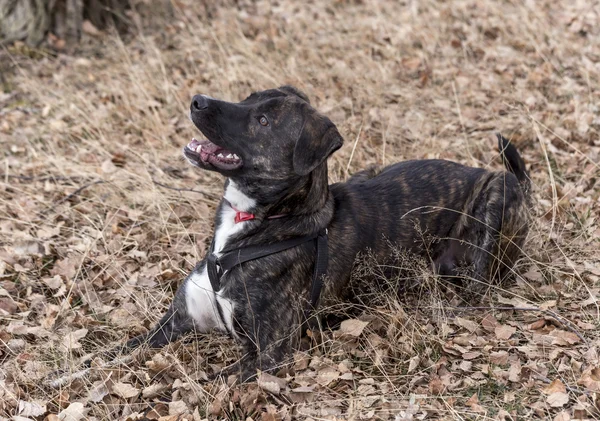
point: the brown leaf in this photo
(564, 338)
(271, 383)
(8, 306)
(436, 386)
(98, 391)
(178, 408)
(326, 376)
(89, 28)
(515, 302)
(154, 390)
(489, 323)
(499, 358)
(413, 364)
(352, 327)
(470, 325)
(31, 409)
(71, 340)
(45, 231)
(562, 416)
(558, 399)
(108, 167)
(74, 412)
(554, 387)
(53, 283)
(473, 402)
(514, 372)
(301, 360)
(471, 355)
(590, 379)
(504, 332)
(125, 390)
(538, 324)
(67, 268)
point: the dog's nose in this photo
(199, 102)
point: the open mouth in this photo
(207, 152)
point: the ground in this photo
(101, 218)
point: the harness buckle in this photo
(214, 271)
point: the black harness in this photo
(228, 259)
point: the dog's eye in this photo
(263, 121)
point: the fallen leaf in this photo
(467, 324)
(554, 387)
(71, 341)
(590, 379)
(124, 390)
(270, 383)
(154, 390)
(53, 283)
(564, 338)
(499, 358)
(413, 364)
(515, 302)
(326, 376)
(301, 360)
(74, 412)
(108, 167)
(98, 391)
(562, 416)
(31, 409)
(504, 332)
(538, 324)
(514, 372)
(557, 399)
(489, 323)
(353, 327)
(89, 28)
(473, 402)
(471, 355)
(178, 408)
(436, 386)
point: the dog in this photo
(279, 217)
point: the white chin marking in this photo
(238, 199)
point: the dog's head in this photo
(271, 135)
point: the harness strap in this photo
(217, 265)
(321, 263)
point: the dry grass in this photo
(93, 248)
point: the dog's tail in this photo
(513, 161)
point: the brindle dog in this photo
(273, 147)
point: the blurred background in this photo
(101, 218)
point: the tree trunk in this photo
(32, 20)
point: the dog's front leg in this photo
(270, 360)
(267, 341)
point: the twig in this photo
(79, 190)
(209, 195)
(571, 389)
(47, 178)
(68, 378)
(560, 319)
(69, 196)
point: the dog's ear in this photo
(318, 139)
(294, 91)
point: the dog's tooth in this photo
(229, 156)
(220, 155)
(199, 149)
(235, 156)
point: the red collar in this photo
(241, 216)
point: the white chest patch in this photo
(201, 300)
